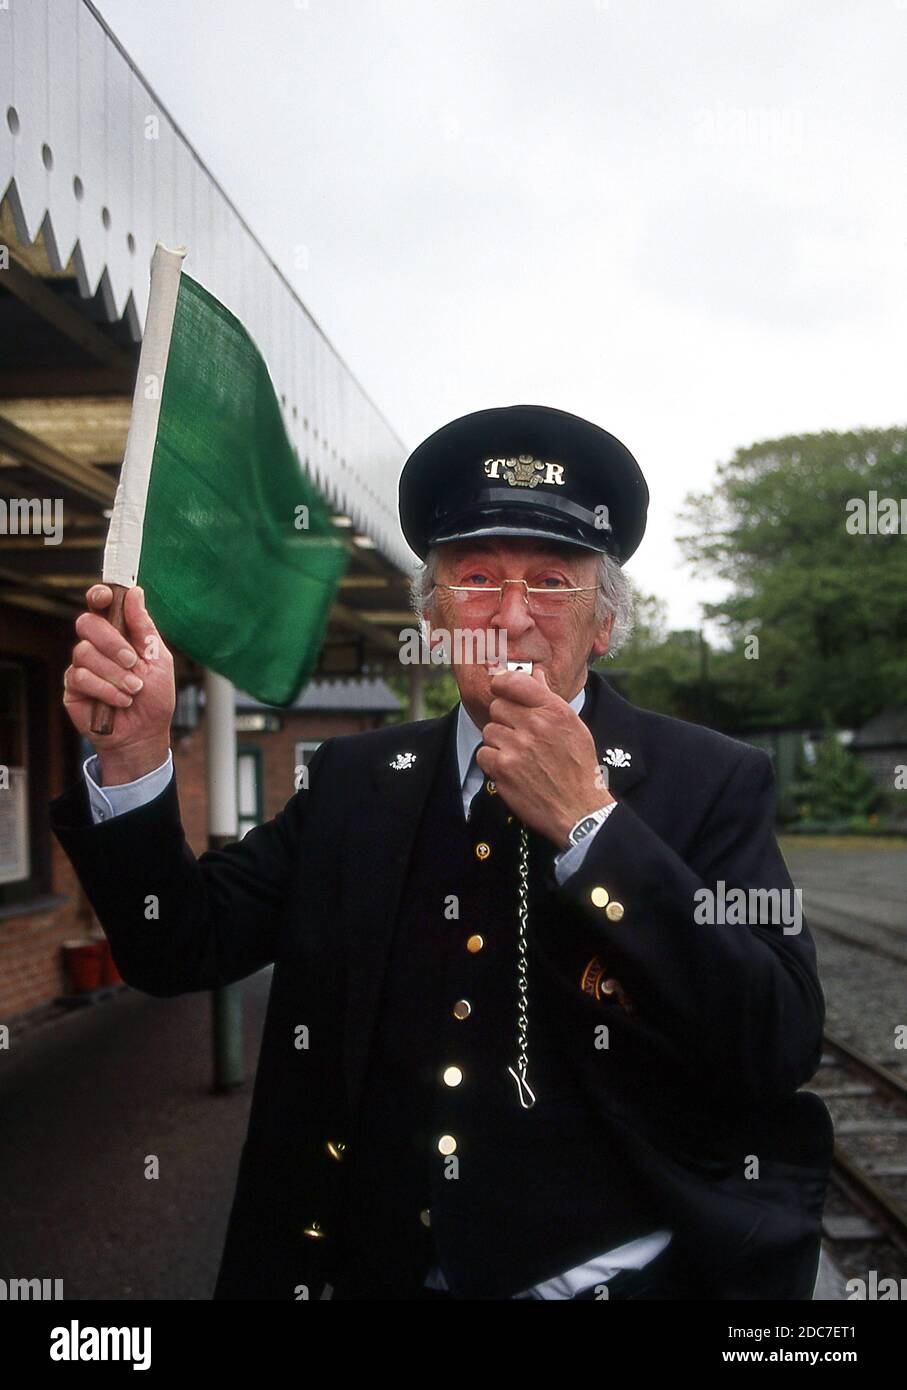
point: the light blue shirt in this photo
(106, 802)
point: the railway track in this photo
(868, 1103)
(890, 950)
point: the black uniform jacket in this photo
(726, 1020)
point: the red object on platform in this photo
(109, 973)
(85, 963)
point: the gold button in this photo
(491, 789)
(510, 820)
(482, 850)
(425, 1216)
(452, 1076)
(462, 1008)
(315, 1231)
(336, 1150)
(599, 897)
(447, 1144)
(614, 911)
(610, 986)
(475, 943)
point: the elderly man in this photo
(509, 1051)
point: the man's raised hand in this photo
(133, 673)
(540, 755)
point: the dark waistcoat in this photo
(527, 1193)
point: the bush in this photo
(837, 787)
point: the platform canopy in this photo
(93, 170)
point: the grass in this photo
(790, 843)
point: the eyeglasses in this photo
(484, 599)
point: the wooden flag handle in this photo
(102, 715)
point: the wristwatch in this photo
(589, 823)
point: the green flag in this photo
(239, 557)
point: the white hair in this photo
(614, 596)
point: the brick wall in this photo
(31, 966)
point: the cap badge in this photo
(525, 471)
(403, 762)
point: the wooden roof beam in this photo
(83, 478)
(65, 319)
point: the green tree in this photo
(827, 606)
(676, 673)
(439, 691)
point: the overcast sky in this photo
(683, 219)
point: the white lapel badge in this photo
(616, 757)
(403, 762)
